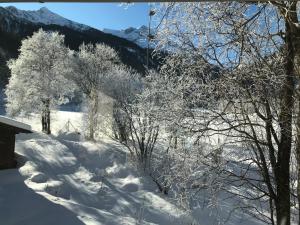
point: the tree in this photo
(123, 85)
(178, 90)
(37, 82)
(91, 65)
(232, 35)
(134, 125)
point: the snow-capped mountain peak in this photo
(44, 9)
(137, 35)
(45, 16)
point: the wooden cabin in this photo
(8, 130)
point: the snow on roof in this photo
(14, 123)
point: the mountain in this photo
(16, 25)
(136, 35)
(45, 16)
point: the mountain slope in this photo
(15, 27)
(45, 16)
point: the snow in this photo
(93, 183)
(45, 16)
(14, 123)
(63, 179)
(136, 35)
(59, 122)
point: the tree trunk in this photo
(282, 171)
(297, 74)
(43, 122)
(292, 40)
(93, 114)
(46, 117)
(119, 124)
(91, 126)
(298, 157)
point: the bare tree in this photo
(231, 35)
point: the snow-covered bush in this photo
(123, 85)
(91, 66)
(133, 121)
(201, 111)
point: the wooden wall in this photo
(7, 148)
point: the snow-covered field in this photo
(62, 179)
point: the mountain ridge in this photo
(47, 17)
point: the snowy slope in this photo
(45, 16)
(137, 35)
(62, 180)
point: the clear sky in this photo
(97, 15)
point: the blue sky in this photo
(98, 15)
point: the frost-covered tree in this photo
(244, 38)
(123, 85)
(37, 82)
(133, 122)
(91, 65)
